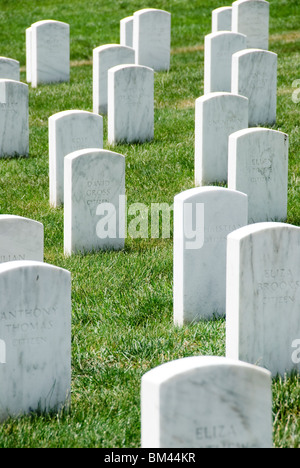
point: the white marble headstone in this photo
(219, 48)
(104, 58)
(28, 40)
(9, 69)
(94, 201)
(50, 52)
(126, 31)
(130, 104)
(206, 402)
(254, 75)
(21, 239)
(221, 19)
(251, 17)
(35, 326)
(70, 131)
(152, 38)
(14, 118)
(263, 296)
(217, 115)
(258, 166)
(203, 217)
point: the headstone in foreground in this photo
(206, 402)
(35, 329)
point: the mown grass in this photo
(122, 301)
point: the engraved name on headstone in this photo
(9, 69)
(206, 402)
(94, 201)
(35, 326)
(21, 239)
(263, 295)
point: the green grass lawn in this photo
(122, 317)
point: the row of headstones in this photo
(35, 322)
(123, 79)
(123, 75)
(249, 72)
(258, 166)
(48, 45)
(262, 281)
(35, 341)
(234, 64)
(31, 318)
(226, 402)
(202, 431)
(35, 317)
(250, 18)
(238, 66)
(126, 92)
(145, 40)
(14, 110)
(147, 32)
(250, 160)
(87, 180)
(131, 116)
(249, 273)
(223, 265)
